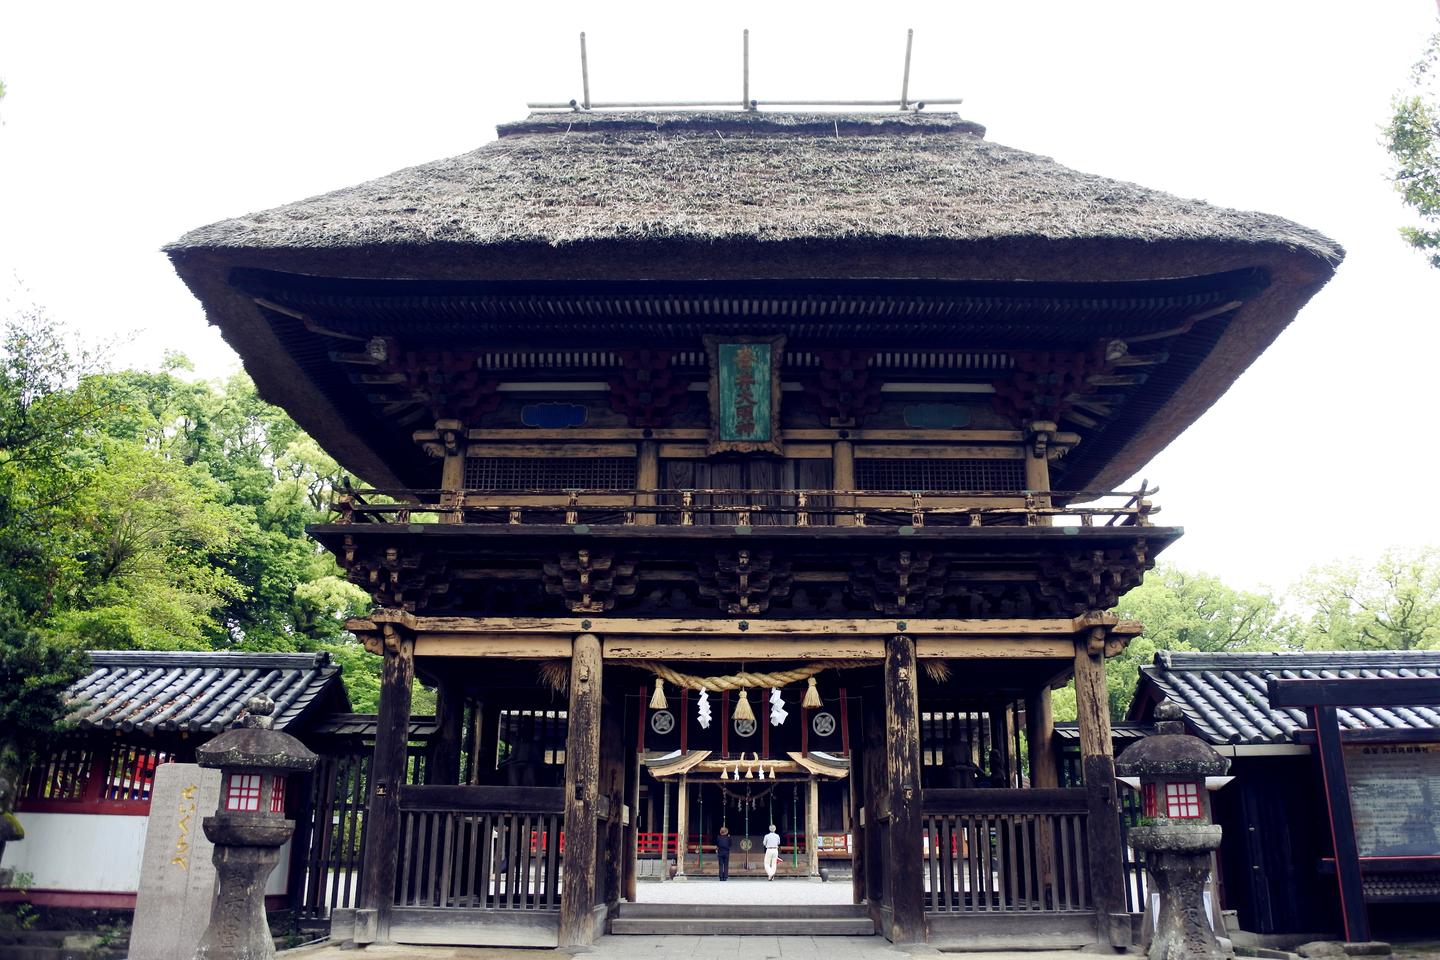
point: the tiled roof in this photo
(1124, 730)
(363, 725)
(1224, 695)
(197, 692)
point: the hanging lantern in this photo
(812, 696)
(657, 700)
(742, 708)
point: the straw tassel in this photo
(812, 696)
(742, 708)
(657, 700)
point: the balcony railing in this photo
(746, 508)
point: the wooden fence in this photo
(1006, 851)
(480, 848)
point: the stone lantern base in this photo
(1177, 858)
(245, 855)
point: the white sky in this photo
(127, 124)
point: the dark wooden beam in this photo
(904, 858)
(1342, 822)
(387, 776)
(582, 793)
(1354, 692)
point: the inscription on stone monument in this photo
(177, 879)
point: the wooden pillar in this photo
(488, 737)
(632, 775)
(1092, 706)
(1044, 773)
(612, 786)
(1040, 732)
(904, 856)
(877, 800)
(647, 477)
(1037, 462)
(842, 476)
(682, 824)
(1001, 736)
(855, 785)
(444, 764)
(812, 826)
(452, 472)
(582, 792)
(387, 776)
(665, 830)
(1342, 823)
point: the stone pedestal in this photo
(1177, 859)
(243, 859)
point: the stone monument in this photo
(1177, 835)
(248, 829)
(177, 880)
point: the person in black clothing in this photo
(722, 852)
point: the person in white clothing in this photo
(772, 852)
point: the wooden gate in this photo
(331, 840)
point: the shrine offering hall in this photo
(727, 470)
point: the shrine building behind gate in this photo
(735, 402)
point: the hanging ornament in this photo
(812, 696)
(703, 706)
(777, 708)
(742, 708)
(750, 771)
(657, 699)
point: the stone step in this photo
(743, 911)
(745, 927)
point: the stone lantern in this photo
(248, 829)
(1177, 835)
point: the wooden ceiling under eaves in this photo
(1100, 357)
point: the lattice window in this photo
(924, 475)
(1182, 801)
(549, 473)
(63, 774)
(243, 792)
(130, 772)
(277, 796)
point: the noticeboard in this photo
(1395, 798)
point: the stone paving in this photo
(677, 948)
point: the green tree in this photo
(1390, 604)
(1188, 611)
(1413, 138)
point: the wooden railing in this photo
(1006, 851)
(480, 848)
(744, 508)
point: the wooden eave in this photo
(316, 320)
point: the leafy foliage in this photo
(1413, 138)
(1392, 604)
(1188, 611)
(148, 510)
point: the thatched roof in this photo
(741, 196)
(573, 178)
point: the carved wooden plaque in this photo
(745, 394)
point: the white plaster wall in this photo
(79, 851)
(93, 853)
